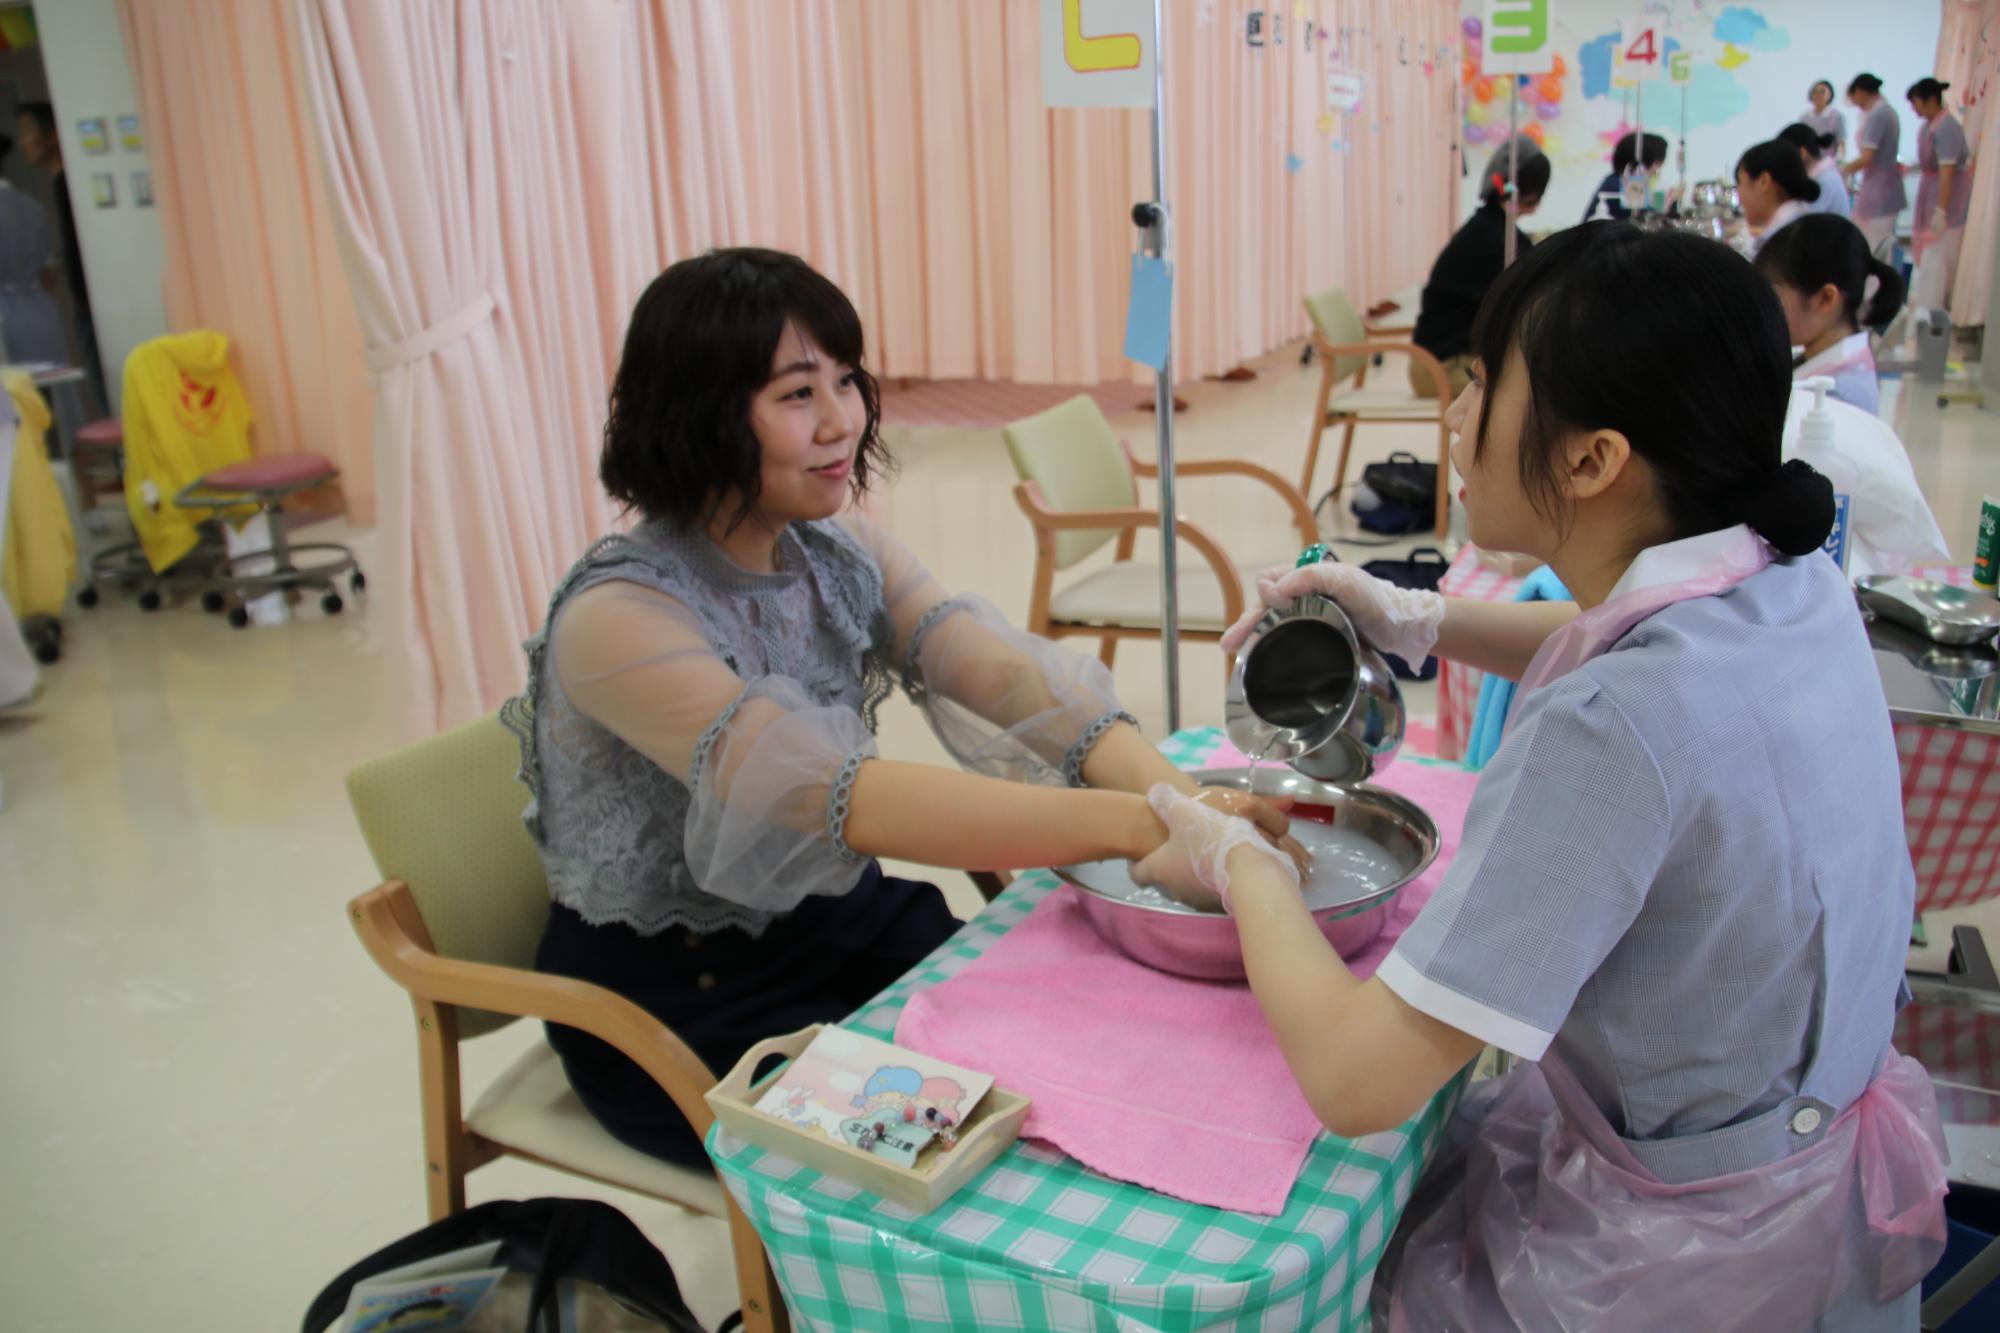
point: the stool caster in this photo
(149, 600)
(48, 652)
(239, 617)
(331, 604)
(213, 603)
(86, 597)
(357, 582)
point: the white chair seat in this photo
(531, 1110)
(1128, 594)
(1385, 401)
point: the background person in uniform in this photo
(35, 122)
(30, 324)
(1944, 194)
(1470, 264)
(1879, 198)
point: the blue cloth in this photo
(1496, 693)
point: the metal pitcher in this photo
(1310, 692)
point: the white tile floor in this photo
(210, 1100)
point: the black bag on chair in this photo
(1404, 482)
(1424, 568)
(548, 1240)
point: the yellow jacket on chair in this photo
(38, 550)
(185, 416)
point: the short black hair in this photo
(1779, 159)
(1533, 180)
(6, 148)
(41, 113)
(1864, 83)
(1928, 88)
(1821, 249)
(1807, 139)
(1628, 153)
(678, 441)
(1713, 333)
(1826, 84)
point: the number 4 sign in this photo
(1642, 51)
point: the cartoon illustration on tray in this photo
(847, 1085)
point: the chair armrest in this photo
(1302, 515)
(391, 929)
(1029, 497)
(1411, 350)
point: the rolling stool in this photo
(97, 471)
(265, 482)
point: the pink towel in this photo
(1169, 1083)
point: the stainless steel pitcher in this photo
(1310, 692)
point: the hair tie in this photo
(1790, 506)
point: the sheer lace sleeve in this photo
(768, 770)
(1005, 702)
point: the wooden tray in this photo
(993, 1125)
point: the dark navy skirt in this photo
(725, 992)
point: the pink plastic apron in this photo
(1555, 1223)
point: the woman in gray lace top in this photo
(698, 724)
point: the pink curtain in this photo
(250, 244)
(506, 176)
(1969, 59)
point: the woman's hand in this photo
(1403, 621)
(1192, 865)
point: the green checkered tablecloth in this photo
(1039, 1242)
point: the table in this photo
(1039, 1242)
(1948, 743)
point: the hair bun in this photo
(1791, 507)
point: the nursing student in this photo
(1682, 895)
(1880, 197)
(1817, 151)
(698, 727)
(1775, 191)
(1821, 269)
(1944, 195)
(1469, 265)
(1825, 119)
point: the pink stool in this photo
(265, 482)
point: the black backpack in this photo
(547, 1239)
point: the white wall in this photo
(1760, 90)
(83, 51)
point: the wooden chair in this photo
(456, 925)
(1080, 488)
(1345, 346)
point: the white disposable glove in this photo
(1192, 865)
(1403, 621)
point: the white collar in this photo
(1788, 212)
(1681, 561)
(1845, 352)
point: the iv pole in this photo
(1155, 223)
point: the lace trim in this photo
(706, 745)
(1072, 768)
(701, 912)
(913, 671)
(840, 802)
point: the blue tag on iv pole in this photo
(1149, 311)
(1837, 541)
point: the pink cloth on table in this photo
(1172, 1084)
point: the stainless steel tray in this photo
(1938, 611)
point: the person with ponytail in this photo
(1682, 894)
(1820, 267)
(1816, 152)
(1771, 181)
(1944, 195)
(1879, 199)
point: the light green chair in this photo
(1079, 487)
(1345, 347)
(456, 923)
